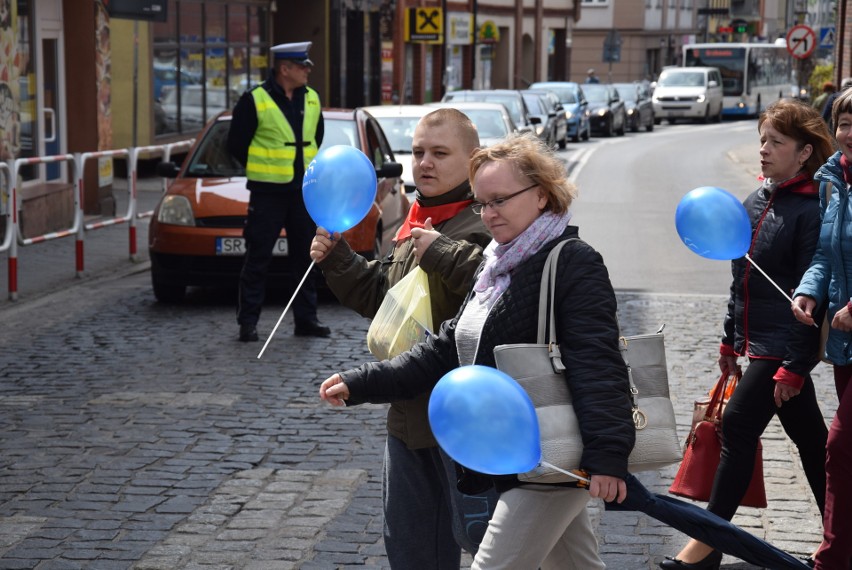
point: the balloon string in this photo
(747, 256)
(281, 318)
(569, 473)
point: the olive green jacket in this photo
(450, 262)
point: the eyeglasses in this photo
(497, 203)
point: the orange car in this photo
(196, 233)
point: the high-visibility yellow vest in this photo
(272, 151)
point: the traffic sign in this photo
(801, 41)
(424, 25)
(826, 37)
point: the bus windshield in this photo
(730, 61)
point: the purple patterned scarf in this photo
(501, 259)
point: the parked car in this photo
(511, 98)
(398, 122)
(492, 120)
(166, 78)
(553, 119)
(184, 109)
(637, 102)
(196, 233)
(606, 109)
(688, 93)
(575, 105)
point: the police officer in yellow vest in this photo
(276, 130)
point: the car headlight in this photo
(176, 210)
(701, 98)
(631, 111)
(569, 115)
(602, 112)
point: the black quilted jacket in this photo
(785, 227)
(587, 331)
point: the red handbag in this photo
(694, 479)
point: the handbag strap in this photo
(546, 296)
(717, 398)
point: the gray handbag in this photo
(539, 370)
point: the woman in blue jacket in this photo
(784, 213)
(827, 284)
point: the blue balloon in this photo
(339, 187)
(713, 223)
(485, 421)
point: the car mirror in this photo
(167, 169)
(712, 83)
(389, 170)
(535, 120)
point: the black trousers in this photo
(267, 214)
(746, 416)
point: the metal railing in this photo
(10, 182)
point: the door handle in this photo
(49, 119)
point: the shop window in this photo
(205, 56)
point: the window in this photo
(596, 2)
(205, 55)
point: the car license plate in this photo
(237, 246)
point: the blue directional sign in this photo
(826, 37)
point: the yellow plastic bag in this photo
(403, 319)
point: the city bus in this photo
(753, 74)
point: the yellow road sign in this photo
(424, 25)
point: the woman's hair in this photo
(805, 125)
(534, 160)
(842, 104)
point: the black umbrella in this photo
(703, 525)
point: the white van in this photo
(688, 93)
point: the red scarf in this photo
(417, 216)
(847, 174)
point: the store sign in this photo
(489, 33)
(152, 10)
(460, 32)
(424, 25)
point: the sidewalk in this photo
(48, 266)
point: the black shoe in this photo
(711, 562)
(312, 328)
(248, 333)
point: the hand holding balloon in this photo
(323, 243)
(339, 188)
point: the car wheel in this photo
(167, 292)
(576, 138)
(634, 128)
(657, 121)
(563, 143)
(650, 126)
(587, 134)
(707, 116)
(622, 127)
(608, 128)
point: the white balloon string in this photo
(756, 266)
(569, 473)
(281, 318)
